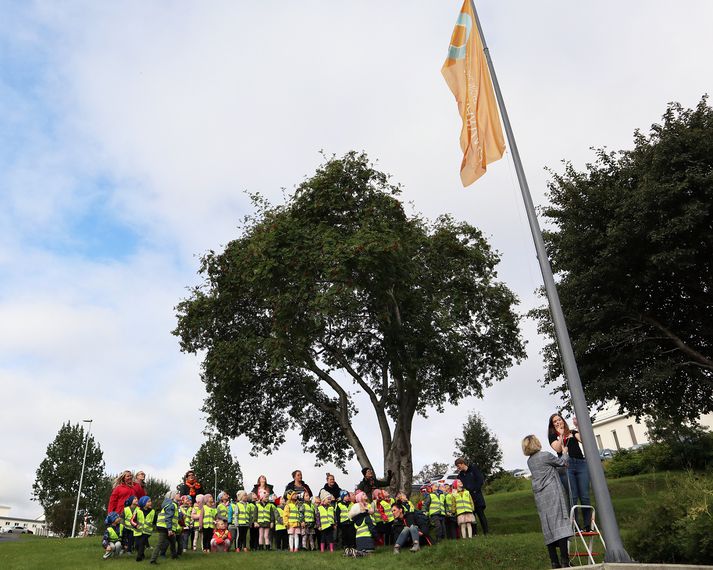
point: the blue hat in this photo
(111, 517)
(143, 500)
(127, 502)
(343, 493)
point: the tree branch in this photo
(682, 346)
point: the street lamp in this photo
(215, 494)
(81, 477)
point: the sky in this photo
(130, 133)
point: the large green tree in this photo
(632, 246)
(339, 292)
(479, 445)
(215, 452)
(57, 479)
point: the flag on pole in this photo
(466, 73)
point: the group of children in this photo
(262, 521)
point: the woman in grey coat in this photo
(549, 499)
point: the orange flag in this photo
(467, 75)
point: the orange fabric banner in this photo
(466, 73)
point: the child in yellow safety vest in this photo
(309, 521)
(449, 506)
(464, 509)
(196, 514)
(341, 518)
(111, 542)
(326, 523)
(280, 528)
(144, 517)
(252, 515)
(186, 510)
(208, 521)
(264, 521)
(241, 521)
(293, 521)
(127, 537)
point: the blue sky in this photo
(129, 133)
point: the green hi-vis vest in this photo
(279, 522)
(264, 513)
(464, 502)
(309, 513)
(209, 516)
(251, 512)
(186, 512)
(128, 513)
(163, 523)
(449, 504)
(362, 530)
(145, 521)
(387, 510)
(294, 518)
(343, 512)
(240, 514)
(326, 517)
(437, 506)
(113, 536)
(222, 510)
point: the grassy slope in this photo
(516, 541)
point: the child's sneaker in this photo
(107, 554)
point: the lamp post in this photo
(215, 492)
(81, 477)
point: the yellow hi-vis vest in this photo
(326, 517)
(222, 511)
(387, 510)
(128, 514)
(308, 513)
(264, 514)
(464, 502)
(209, 516)
(449, 502)
(241, 514)
(186, 512)
(145, 521)
(437, 505)
(164, 523)
(293, 516)
(343, 512)
(279, 523)
(362, 530)
(113, 536)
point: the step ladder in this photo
(585, 539)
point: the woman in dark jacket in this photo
(190, 486)
(263, 485)
(370, 482)
(297, 485)
(331, 486)
(406, 527)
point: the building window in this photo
(599, 442)
(632, 434)
(616, 440)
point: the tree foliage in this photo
(57, 479)
(431, 471)
(632, 246)
(339, 291)
(479, 445)
(215, 452)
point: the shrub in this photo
(626, 463)
(504, 482)
(678, 526)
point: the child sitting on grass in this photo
(221, 537)
(111, 542)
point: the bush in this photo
(678, 526)
(504, 482)
(626, 463)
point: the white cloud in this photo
(183, 109)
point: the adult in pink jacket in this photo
(123, 489)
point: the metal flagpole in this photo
(615, 551)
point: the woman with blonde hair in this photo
(549, 499)
(123, 489)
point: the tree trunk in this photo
(398, 457)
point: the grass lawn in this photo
(515, 541)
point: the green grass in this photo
(515, 541)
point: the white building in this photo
(38, 526)
(621, 431)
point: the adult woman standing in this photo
(331, 486)
(566, 443)
(297, 485)
(190, 486)
(139, 484)
(549, 499)
(123, 489)
(262, 487)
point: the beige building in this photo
(620, 431)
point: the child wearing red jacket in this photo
(221, 537)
